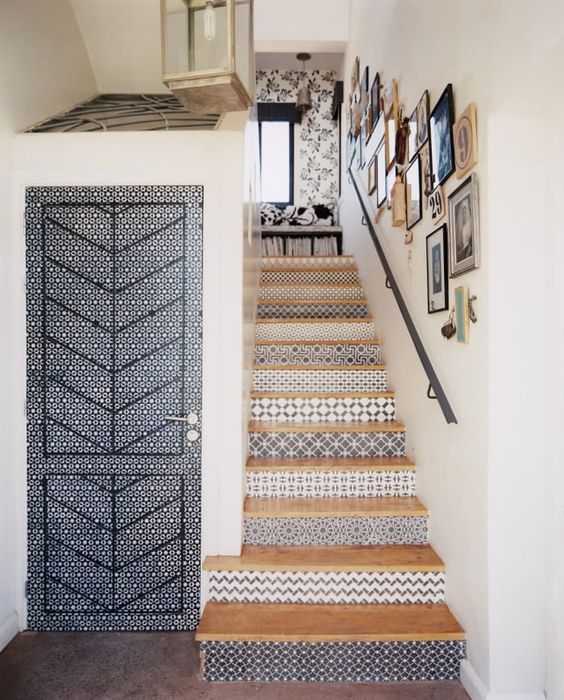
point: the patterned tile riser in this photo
(388, 529)
(320, 293)
(317, 310)
(332, 662)
(314, 484)
(350, 409)
(332, 330)
(318, 354)
(350, 444)
(310, 277)
(319, 380)
(308, 261)
(333, 588)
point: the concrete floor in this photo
(156, 666)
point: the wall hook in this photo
(388, 285)
(471, 313)
(430, 393)
(364, 222)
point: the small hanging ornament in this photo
(398, 203)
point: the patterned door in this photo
(114, 305)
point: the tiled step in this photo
(318, 292)
(326, 440)
(314, 352)
(336, 575)
(312, 309)
(295, 378)
(329, 643)
(334, 521)
(315, 329)
(319, 407)
(308, 261)
(312, 275)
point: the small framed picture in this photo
(412, 138)
(437, 270)
(372, 175)
(461, 314)
(375, 100)
(390, 181)
(364, 94)
(379, 130)
(362, 144)
(381, 174)
(440, 134)
(390, 139)
(413, 208)
(437, 204)
(422, 121)
(464, 217)
(425, 158)
(465, 141)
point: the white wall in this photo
(484, 479)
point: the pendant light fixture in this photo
(303, 103)
(209, 21)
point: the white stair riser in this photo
(305, 380)
(309, 277)
(315, 310)
(329, 330)
(310, 292)
(329, 444)
(345, 354)
(322, 409)
(338, 587)
(308, 261)
(330, 484)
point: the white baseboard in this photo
(8, 629)
(477, 690)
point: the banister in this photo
(434, 383)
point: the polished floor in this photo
(156, 666)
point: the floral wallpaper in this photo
(316, 139)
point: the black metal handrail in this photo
(434, 383)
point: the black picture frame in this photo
(413, 194)
(441, 121)
(437, 270)
(375, 101)
(372, 175)
(364, 96)
(422, 120)
(412, 138)
(381, 173)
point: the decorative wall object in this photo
(425, 157)
(391, 112)
(461, 311)
(466, 141)
(381, 174)
(402, 137)
(464, 227)
(422, 121)
(375, 107)
(398, 203)
(414, 210)
(390, 180)
(412, 138)
(437, 204)
(440, 134)
(379, 131)
(437, 270)
(355, 75)
(372, 175)
(364, 94)
(316, 164)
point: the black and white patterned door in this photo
(114, 319)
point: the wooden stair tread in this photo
(329, 463)
(322, 368)
(372, 558)
(362, 319)
(322, 394)
(391, 426)
(370, 341)
(339, 507)
(323, 623)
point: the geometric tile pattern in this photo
(309, 261)
(329, 444)
(326, 408)
(315, 310)
(306, 380)
(318, 354)
(114, 299)
(330, 484)
(329, 587)
(319, 293)
(310, 276)
(332, 662)
(330, 330)
(388, 529)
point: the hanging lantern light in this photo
(303, 103)
(208, 53)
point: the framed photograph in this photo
(422, 121)
(390, 139)
(425, 158)
(379, 131)
(461, 314)
(375, 100)
(372, 175)
(412, 138)
(437, 270)
(465, 141)
(440, 135)
(364, 94)
(464, 217)
(390, 181)
(362, 144)
(413, 208)
(381, 174)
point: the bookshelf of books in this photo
(302, 240)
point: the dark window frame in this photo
(281, 116)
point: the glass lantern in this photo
(208, 53)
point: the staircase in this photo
(336, 581)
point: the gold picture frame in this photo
(465, 141)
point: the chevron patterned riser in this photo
(318, 354)
(303, 409)
(331, 330)
(317, 292)
(389, 529)
(320, 380)
(340, 587)
(310, 277)
(349, 444)
(318, 484)
(308, 261)
(317, 310)
(332, 662)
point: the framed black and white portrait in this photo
(437, 270)
(413, 208)
(421, 119)
(381, 174)
(375, 100)
(464, 217)
(440, 134)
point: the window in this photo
(277, 162)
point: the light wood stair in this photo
(336, 580)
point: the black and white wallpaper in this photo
(316, 170)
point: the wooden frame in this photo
(465, 141)
(440, 136)
(413, 194)
(437, 270)
(464, 218)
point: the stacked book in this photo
(272, 246)
(325, 246)
(298, 246)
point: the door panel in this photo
(114, 293)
